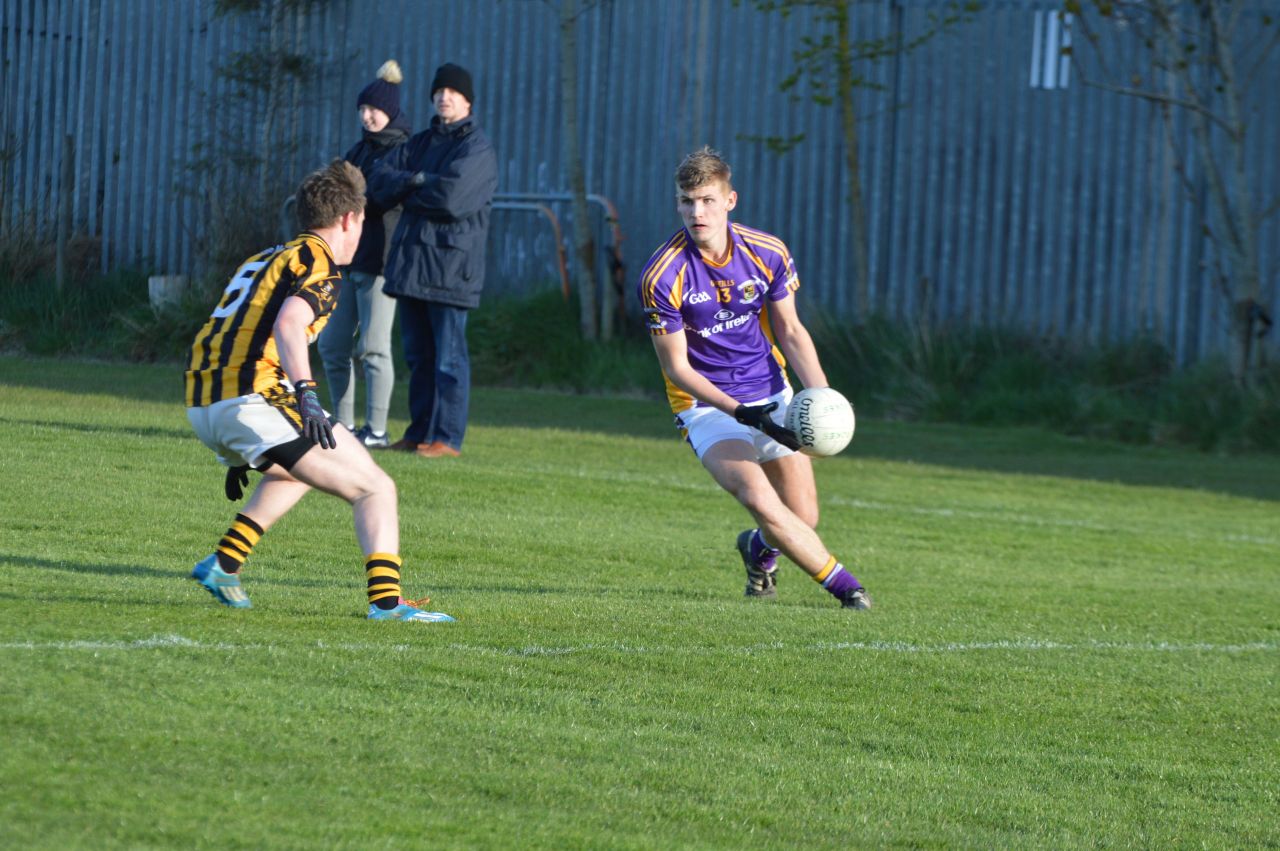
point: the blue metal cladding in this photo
(999, 187)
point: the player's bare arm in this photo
(290, 332)
(673, 355)
(796, 344)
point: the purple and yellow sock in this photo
(838, 581)
(764, 556)
(238, 543)
(382, 573)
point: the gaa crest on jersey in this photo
(751, 289)
(326, 296)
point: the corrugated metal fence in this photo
(999, 189)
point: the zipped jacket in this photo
(438, 247)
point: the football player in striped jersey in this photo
(719, 302)
(251, 398)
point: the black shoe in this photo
(371, 439)
(858, 599)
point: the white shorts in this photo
(705, 426)
(241, 430)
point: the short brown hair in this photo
(702, 167)
(329, 193)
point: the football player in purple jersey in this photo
(719, 302)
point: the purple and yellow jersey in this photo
(721, 309)
(235, 352)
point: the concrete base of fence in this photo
(165, 290)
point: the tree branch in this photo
(1163, 99)
(1253, 72)
(1269, 211)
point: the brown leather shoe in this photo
(437, 449)
(403, 445)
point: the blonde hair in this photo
(702, 167)
(329, 193)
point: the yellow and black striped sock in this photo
(382, 572)
(236, 545)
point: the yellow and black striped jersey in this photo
(235, 352)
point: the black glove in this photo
(237, 478)
(315, 425)
(757, 416)
(419, 178)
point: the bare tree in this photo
(244, 167)
(1199, 60)
(829, 62)
(594, 322)
(584, 249)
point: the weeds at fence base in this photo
(1129, 392)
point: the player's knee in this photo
(808, 514)
(378, 483)
(365, 482)
(388, 485)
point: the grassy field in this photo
(1074, 644)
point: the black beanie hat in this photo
(450, 76)
(384, 92)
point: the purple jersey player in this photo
(719, 302)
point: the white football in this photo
(822, 419)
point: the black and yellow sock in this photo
(382, 572)
(236, 545)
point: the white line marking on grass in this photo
(1032, 645)
(881, 647)
(1027, 645)
(1250, 539)
(141, 644)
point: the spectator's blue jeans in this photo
(435, 349)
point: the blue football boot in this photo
(225, 587)
(407, 610)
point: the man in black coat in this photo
(444, 178)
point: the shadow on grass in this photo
(438, 591)
(1006, 450)
(94, 428)
(117, 570)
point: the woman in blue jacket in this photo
(363, 305)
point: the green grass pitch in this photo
(1074, 644)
